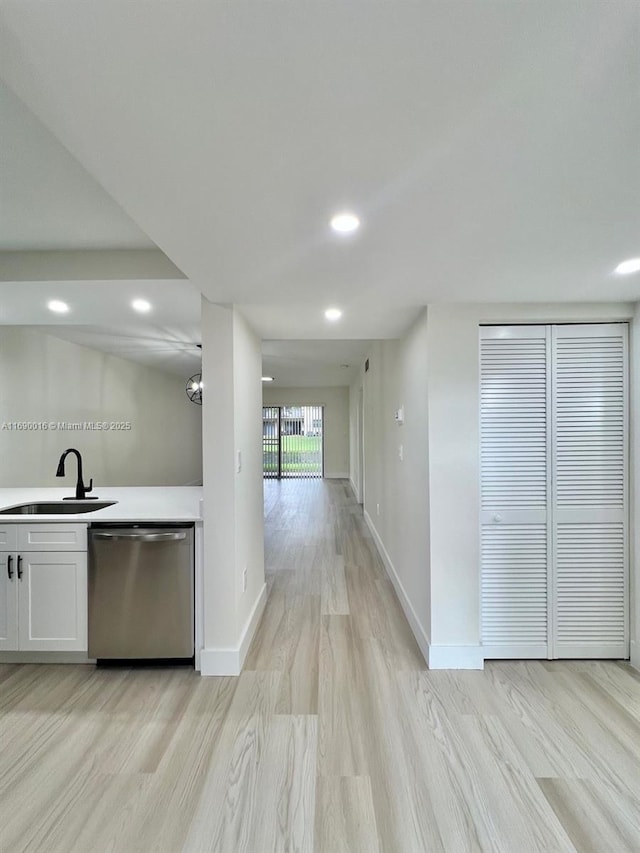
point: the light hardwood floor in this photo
(335, 739)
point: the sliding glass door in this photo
(292, 441)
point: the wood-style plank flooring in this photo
(335, 739)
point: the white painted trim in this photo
(220, 662)
(412, 618)
(332, 476)
(456, 657)
(634, 490)
(516, 651)
(252, 623)
(199, 591)
(45, 657)
(436, 656)
(231, 660)
(353, 488)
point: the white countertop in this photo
(134, 503)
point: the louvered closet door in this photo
(515, 471)
(589, 506)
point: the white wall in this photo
(396, 490)
(424, 511)
(233, 505)
(249, 503)
(45, 379)
(87, 264)
(336, 420)
(218, 479)
(355, 436)
(454, 473)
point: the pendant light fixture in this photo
(194, 388)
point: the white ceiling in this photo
(361, 319)
(103, 302)
(492, 149)
(47, 199)
(101, 317)
(308, 364)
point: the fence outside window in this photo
(292, 441)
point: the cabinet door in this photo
(8, 537)
(52, 601)
(8, 602)
(53, 536)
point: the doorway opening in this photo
(292, 441)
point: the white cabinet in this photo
(43, 587)
(8, 601)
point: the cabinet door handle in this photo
(9, 569)
(19, 567)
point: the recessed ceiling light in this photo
(267, 378)
(57, 306)
(141, 305)
(333, 314)
(627, 267)
(345, 223)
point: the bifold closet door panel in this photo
(514, 419)
(589, 507)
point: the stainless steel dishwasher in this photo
(141, 592)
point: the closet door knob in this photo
(497, 518)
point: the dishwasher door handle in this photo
(142, 537)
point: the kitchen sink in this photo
(56, 507)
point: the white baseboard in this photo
(412, 618)
(45, 657)
(437, 657)
(220, 662)
(332, 476)
(252, 623)
(354, 489)
(634, 655)
(456, 657)
(231, 660)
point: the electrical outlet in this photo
(244, 580)
(377, 509)
(400, 452)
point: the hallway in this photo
(531, 756)
(335, 738)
